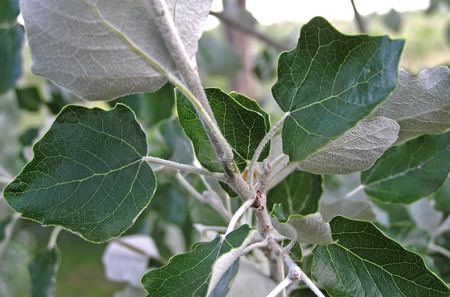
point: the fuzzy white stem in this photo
(184, 167)
(438, 249)
(259, 149)
(53, 237)
(280, 287)
(241, 210)
(295, 273)
(354, 191)
(441, 229)
(214, 202)
(190, 76)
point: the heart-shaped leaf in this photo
(329, 82)
(87, 174)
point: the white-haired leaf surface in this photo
(356, 150)
(102, 49)
(125, 265)
(421, 103)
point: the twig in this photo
(358, 18)
(295, 273)
(441, 229)
(438, 249)
(185, 167)
(132, 247)
(248, 30)
(269, 135)
(190, 76)
(256, 245)
(280, 287)
(53, 237)
(237, 215)
(214, 202)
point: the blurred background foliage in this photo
(229, 58)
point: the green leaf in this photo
(10, 56)
(420, 104)
(124, 51)
(29, 98)
(299, 193)
(179, 145)
(188, 274)
(11, 38)
(410, 171)
(356, 150)
(150, 108)
(241, 120)
(329, 82)
(410, 236)
(362, 261)
(43, 269)
(307, 229)
(87, 174)
(14, 275)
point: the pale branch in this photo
(241, 210)
(281, 287)
(256, 245)
(359, 19)
(9, 230)
(259, 149)
(296, 273)
(53, 237)
(354, 191)
(132, 247)
(248, 30)
(184, 167)
(207, 198)
(441, 229)
(194, 91)
(439, 249)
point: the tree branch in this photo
(184, 167)
(259, 149)
(248, 30)
(295, 273)
(237, 215)
(359, 19)
(206, 198)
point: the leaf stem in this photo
(280, 287)
(190, 76)
(241, 210)
(54, 237)
(207, 198)
(439, 249)
(259, 149)
(296, 273)
(184, 167)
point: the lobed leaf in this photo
(87, 174)
(362, 261)
(409, 171)
(356, 150)
(188, 274)
(330, 82)
(241, 120)
(105, 49)
(421, 103)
